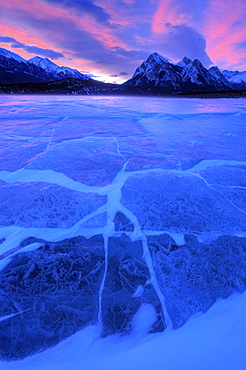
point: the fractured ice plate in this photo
(78, 127)
(180, 203)
(92, 161)
(44, 205)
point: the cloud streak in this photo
(48, 53)
(83, 7)
(165, 13)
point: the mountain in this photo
(157, 71)
(9, 55)
(59, 72)
(236, 79)
(186, 76)
(218, 75)
(14, 69)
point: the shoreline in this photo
(88, 88)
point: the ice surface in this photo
(167, 201)
(79, 127)
(126, 271)
(60, 282)
(94, 162)
(45, 205)
(118, 215)
(23, 149)
(193, 276)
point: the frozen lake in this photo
(125, 214)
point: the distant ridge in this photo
(15, 69)
(59, 72)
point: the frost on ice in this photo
(119, 213)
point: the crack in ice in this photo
(14, 235)
(211, 186)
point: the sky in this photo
(109, 39)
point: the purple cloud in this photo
(84, 7)
(182, 41)
(48, 53)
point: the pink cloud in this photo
(225, 27)
(44, 11)
(38, 8)
(164, 14)
(15, 25)
(168, 12)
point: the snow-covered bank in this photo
(211, 341)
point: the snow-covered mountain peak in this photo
(190, 73)
(187, 75)
(76, 74)
(45, 64)
(38, 60)
(156, 71)
(184, 62)
(61, 72)
(214, 69)
(198, 64)
(8, 54)
(154, 63)
(156, 58)
(216, 73)
(229, 74)
(235, 77)
(13, 69)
